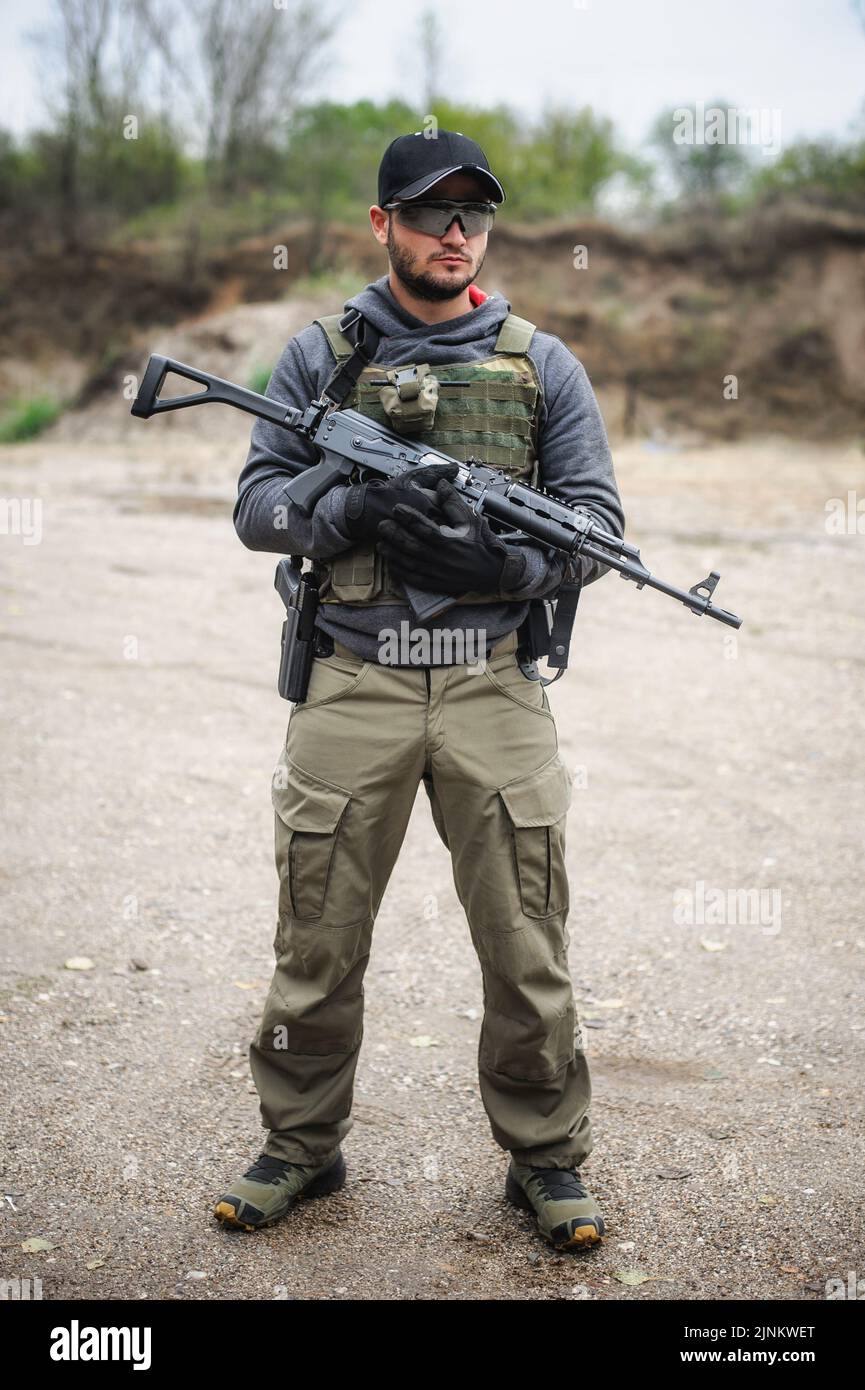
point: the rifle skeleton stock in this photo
(352, 446)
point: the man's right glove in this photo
(458, 554)
(367, 504)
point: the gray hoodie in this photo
(574, 461)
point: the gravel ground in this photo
(141, 729)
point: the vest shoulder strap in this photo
(340, 346)
(352, 353)
(515, 334)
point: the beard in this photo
(422, 284)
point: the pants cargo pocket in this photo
(537, 807)
(308, 815)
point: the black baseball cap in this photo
(413, 163)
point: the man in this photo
(474, 381)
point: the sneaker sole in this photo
(590, 1233)
(331, 1180)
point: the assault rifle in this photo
(352, 445)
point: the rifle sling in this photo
(366, 339)
(567, 598)
(342, 381)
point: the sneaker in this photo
(567, 1213)
(271, 1186)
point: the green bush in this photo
(24, 419)
(826, 169)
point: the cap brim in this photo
(414, 190)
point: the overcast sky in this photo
(626, 58)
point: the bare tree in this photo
(93, 62)
(87, 28)
(77, 48)
(431, 42)
(241, 67)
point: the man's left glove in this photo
(459, 556)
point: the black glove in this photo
(366, 504)
(457, 555)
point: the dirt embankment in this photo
(700, 329)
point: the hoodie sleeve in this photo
(575, 463)
(264, 518)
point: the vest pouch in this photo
(410, 399)
(355, 574)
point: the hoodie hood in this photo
(406, 338)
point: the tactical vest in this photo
(494, 419)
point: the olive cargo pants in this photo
(484, 744)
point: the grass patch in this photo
(210, 222)
(24, 419)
